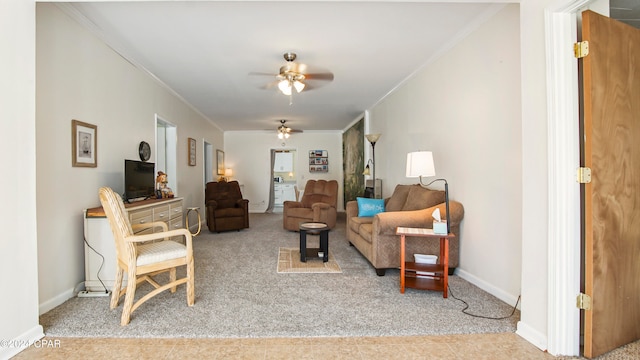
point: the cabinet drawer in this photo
(161, 213)
(141, 216)
(176, 211)
(175, 224)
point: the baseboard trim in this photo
(531, 335)
(56, 301)
(497, 292)
(22, 342)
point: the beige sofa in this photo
(409, 206)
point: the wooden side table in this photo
(314, 228)
(408, 269)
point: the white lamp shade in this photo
(298, 85)
(228, 172)
(285, 86)
(420, 163)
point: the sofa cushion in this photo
(369, 207)
(355, 222)
(422, 198)
(399, 197)
(365, 232)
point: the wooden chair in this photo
(143, 260)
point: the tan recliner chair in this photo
(318, 204)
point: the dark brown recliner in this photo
(318, 204)
(226, 209)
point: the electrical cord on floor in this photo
(101, 264)
(466, 306)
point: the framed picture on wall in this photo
(84, 144)
(318, 161)
(192, 151)
(220, 159)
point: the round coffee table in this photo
(314, 228)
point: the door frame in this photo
(564, 243)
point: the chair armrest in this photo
(151, 225)
(320, 206)
(164, 235)
(212, 204)
(243, 204)
(291, 204)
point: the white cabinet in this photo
(101, 269)
(282, 193)
(283, 162)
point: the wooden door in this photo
(611, 100)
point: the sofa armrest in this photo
(385, 223)
(455, 208)
(352, 209)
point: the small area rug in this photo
(289, 262)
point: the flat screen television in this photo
(139, 180)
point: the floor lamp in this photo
(420, 164)
(373, 138)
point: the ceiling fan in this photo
(284, 131)
(296, 76)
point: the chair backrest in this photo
(226, 194)
(320, 191)
(119, 221)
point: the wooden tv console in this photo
(99, 238)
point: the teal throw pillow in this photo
(369, 207)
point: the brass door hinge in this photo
(583, 302)
(581, 49)
(583, 175)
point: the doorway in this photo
(208, 161)
(166, 151)
(283, 179)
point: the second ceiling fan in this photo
(284, 131)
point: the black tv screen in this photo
(139, 180)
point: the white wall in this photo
(465, 107)
(251, 164)
(18, 244)
(79, 77)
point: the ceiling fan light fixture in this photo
(298, 85)
(285, 86)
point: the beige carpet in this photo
(289, 262)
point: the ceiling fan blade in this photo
(319, 76)
(295, 130)
(252, 73)
(269, 85)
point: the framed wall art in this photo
(220, 158)
(192, 151)
(318, 161)
(84, 144)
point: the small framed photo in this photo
(220, 158)
(84, 144)
(192, 151)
